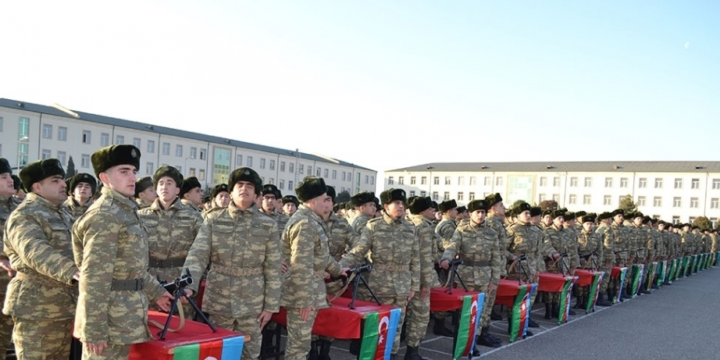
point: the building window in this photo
(423, 193)
(104, 139)
(24, 129)
(179, 168)
(586, 199)
(588, 182)
(678, 183)
(85, 161)
(412, 193)
(447, 180)
(714, 222)
(372, 180)
(46, 154)
(250, 161)
(262, 163)
(301, 169)
(675, 220)
(435, 196)
(1, 124)
(367, 179)
(166, 148)
(62, 157)
(272, 165)
(119, 139)
(691, 219)
(716, 184)
(641, 201)
(238, 160)
(221, 166)
(573, 182)
(543, 181)
(541, 198)
(309, 170)
(657, 201)
(290, 185)
(471, 196)
(446, 196)
(436, 180)
(282, 167)
(607, 200)
(47, 131)
(149, 168)
(714, 203)
(573, 199)
(201, 174)
(178, 150)
(642, 183)
(281, 184)
(694, 202)
(695, 184)
(460, 196)
(461, 180)
(473, 181)
(193, 152)
(136, 142)
(62, 133)
(677, 202)
(658, 183)
(623, 182)
(487, 181)
(423, 180)
(202, 154)
(401, 180)
(291, 169)
(556, 181)
(608, 182)
(391, 180)
(556, 197)
(151, 146)
(272, 181)
(334, 174)
(498, 181)
(191, 172)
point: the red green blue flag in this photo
(594, 291)
(468, 325)
(224, 349)
(379, 331)
(565, 299)
(520, 311)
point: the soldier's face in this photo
(428, 214)
(438, 215)
(661, 227)
(368, 209)
(82, 191)
(289, 208)
(222, 199)
(559, 221)
(52, 189)
(637, 221)
(477, 216)
(524, 217)
(6, 185)
(244, 193)
(395, 209)
(547, 220)
(167, 189)
(268, 202)
(148, 194)
(321, 205)
(619, 218)
(195, 196)
(535, 220)
(122, 179)
(587, 226)
(452, 213)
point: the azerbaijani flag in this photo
(594, 291)
(619, 291)
(225, 349)
(379, 331)
(467, 326)
(651, 270)
(637, 273)
(565, 296)
(520, 311)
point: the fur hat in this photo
(219, 188)
(519, 208)
(142, 184)
(207, 199)
(547, 212)
(580, 213)
(17, 184)
(170, 172)
(569, 216)
(390, 195)
(189, 184)
(270, 189)
(5, 166)
(40, 170)
(78, 178)
(461, 209)
(435, 205)
(331, 192)
(479, 204)
(310, 187)
(245, 174)
(493, 199)
(447, 205)
(115, 155)
(418, 204)
(290, 199)
(617, 212)
(557, 213)
(362, 198)
(535, 211)
(589, 218)
(646, 219)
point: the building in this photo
(677, 191)
(30, 131)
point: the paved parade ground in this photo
(675, 322)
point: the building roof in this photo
(571, 166)
(100, 119)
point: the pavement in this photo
(678, 321)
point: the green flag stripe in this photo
(515, 325)
(463, 327)
(187, 352)
(370, 336)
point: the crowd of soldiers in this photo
(86, 259)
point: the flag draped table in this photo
(516, 296)
(618, 273)
(651, 271)
(662, 270)
(195, 341)
(469, 305)
(636, 275)
(563, 284)
(592, 279)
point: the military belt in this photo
(476, 263)
(167, 263)
(236, 271)
(391, 267)
(39, 279)
(127, 285)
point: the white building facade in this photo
(29, 132)
(677, 191)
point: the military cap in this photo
(435, 205)
(5, 166)
(270, 189)
(580, 213)
(519, 208)
(564, 209)
(605, 215)
(695, 227)
(646, 219)
(219, 188)
(336, 207)
(349, 206)
(170, 172)
(617, 212)
(557, 213)
(479, 204)
(17, 184)
(686, 225)
(629, 215)
(331, 192)
(189, 184)
(669, 224)
(569, 216)
(509, 213)
(115, 155)
(290, 199)
(493, 199)
(342, 205)
(447, 205)
(638, 214)
(390, 195)
(535, 211)
(361, 198)
(461, 209)
(142, 184)
(589, 218)
(547, 212)
(418, 204)
(245, 174)
(310, 187)
(206, 199)
(40, 170)
(661, 222)
(78, 178)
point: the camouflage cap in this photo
(189, 184)
(5, 166)
(310, 187)
(170, 172)
(479, 204)
(290, 199)
(115, 155)
(418, 204)
(245, 174)
(362, 198)
(390, 195)
(447, 205)
(219, 188)
(78, 178)
(142, 184)
(40, 170)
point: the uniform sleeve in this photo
(351, 237)
(650, 244)
(415, 265)
(548, 249)
(271, 272)
(452, 246)
(300, 273)
(632, 243)
(152, 287)
(497, 262)
(199, 255)
(573, 251)
(425, 237)
(356, 255)
(27, 238)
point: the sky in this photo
(386, 84)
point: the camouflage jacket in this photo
(395, 253)
(669, 243)
(644, 241)
(624, 243)
(587, 243)
(688, 243)
(279, 218)
(713, 244)
(659, 243)
(359, 222)
(190, 205)
(142, 203)
(242, 248)
(526, 240)
(560, 242)
(6, 207)
(428, 241)
(496, 224)
(37, 242)
(478, 247)
(342, 237)
(75, 208)
(110, 243)
(171, 232)
(605, 236)
(445, 229)
(305, 244)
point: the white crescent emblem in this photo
(473, 309)
(211, 358)
(385, 320)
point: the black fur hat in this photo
(447, 205)
(418, 204)
(80, 178)
(115, 155)
(40, 170)
(310, 187)
(170, 172)
(142, 184)
(245, 174)
(493, 199)
(390, 195)
(479, 204)
(361, 198)
(189, 184)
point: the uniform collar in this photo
(389, 220)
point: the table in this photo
(618, 273)
(516, 296)
(468, 306)
(593, 279)
(550, 282)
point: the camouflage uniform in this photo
(525, 240)
(561, 241)
(190, 205)
(342, 238)
(6, 324)
(605, 236)
(75, 208)
(587, 243)
(483, 260)
(359, 222)
(142, 203)
(688, 243)
(396, 263)
(493, 221)
(305, 244)
(111, 250)
(418, 311)
(242, 248)
(41, 297)
(625, 247)
(279, 218)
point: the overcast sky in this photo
(386, 84)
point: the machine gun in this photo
(177, 289)
(519, 261)
(589, 257)
(355, 274)
(454, 274)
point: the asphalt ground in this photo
(679, 321)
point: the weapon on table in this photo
(518, 261)
(590, 257)
(355, 277)
(177, 289)
(454, 273)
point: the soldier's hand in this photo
(96, 348)
(445, 264)
(607, 265)
(164, 301)
(306, 312)
(5, 264)
(264, 318)
(326, 276)
(345, 272)
(412, 293)
(189, 293)
(555, 256)
(491, 287)
(283, 267)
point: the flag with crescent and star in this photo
(468, 324)
(379, 329)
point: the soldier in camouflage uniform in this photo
(171, 228)
(270, 196)
(305, 244)
(191, 194)
(641, 237)
(462, 214)
(591, 251)
(687, 242)
(81, 188)
(7, 206)
(290, 205)
(111, 251)
(625, 246)
(241, 246)
(220, 196)
(478, 247)
(546, 219)
(395, 250)
(605, 236)
(496, 220)
(559, 244)
(144, 192)
(660, 246)
(41, 297)
(647, 242)
(418, 311)
(364, 210)
(445, 230)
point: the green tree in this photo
(70, 168)
(548, 205)
(627, 204)
(703, 223)
(343, 196)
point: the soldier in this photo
(144, 192)
(495, 220)
(445, 230)
(591, 250)
(365, 209)
(19, 193)
(418, 312)
(270, 195)
(81, 188)
(395, 250)
(241, 246)
(290, 205)
(462, 213)
(41, 297)
(207, 203)
(660, 247)
(220, 196)
(111, 250)
(605, 263)
(547, 219)
(305, 244)
(478, 247)
(7, 205)
(191, 194)
(625, 246)
(563, 263)
(171, 228)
